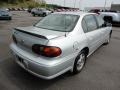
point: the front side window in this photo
(91, 22)
(100, 21)
(58, 22)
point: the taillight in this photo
(48, 51)
(14, 39)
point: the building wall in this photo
(115, 7)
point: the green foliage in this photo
(21, 3)
(14, 1)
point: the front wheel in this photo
(79, 62)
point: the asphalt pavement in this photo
(102, 70)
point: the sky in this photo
(83, 3)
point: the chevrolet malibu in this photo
(58, 43)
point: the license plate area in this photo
(21, 62)
(20, 59)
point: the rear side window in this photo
(84, 26)
(90, 22)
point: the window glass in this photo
(100, 20)
(91, 22)
(58, 22)
(84, 26)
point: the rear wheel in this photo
(44, 14)
(10, 18)
(39, 15)
(33, 14)
(79, 62)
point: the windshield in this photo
(58, 22)
(3, 12)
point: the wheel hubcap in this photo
(81, 62)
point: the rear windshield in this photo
(58, 22)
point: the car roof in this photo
(74, 13)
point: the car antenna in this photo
(105, 5)
(65, 19)
(80, 5)
(74, 4)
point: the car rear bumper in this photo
(46, 70)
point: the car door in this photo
(92, 33)
(39, 11)
(105, 30)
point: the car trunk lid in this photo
(49, 34)
(28, 36)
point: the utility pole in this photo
(105, 5)
(52, 4)
(64, 3)
(74, 3)
(80, 4)
(111, 5)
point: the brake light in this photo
(48, 51)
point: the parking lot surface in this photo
(102, 70)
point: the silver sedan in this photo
(58, 43)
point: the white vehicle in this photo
(40, 12)
(58, 43)
(112, 17)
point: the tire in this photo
(39, 15)
(33, 14)
(79, 62)
(44, 14)
(10, 18)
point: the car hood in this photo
(49, 34)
